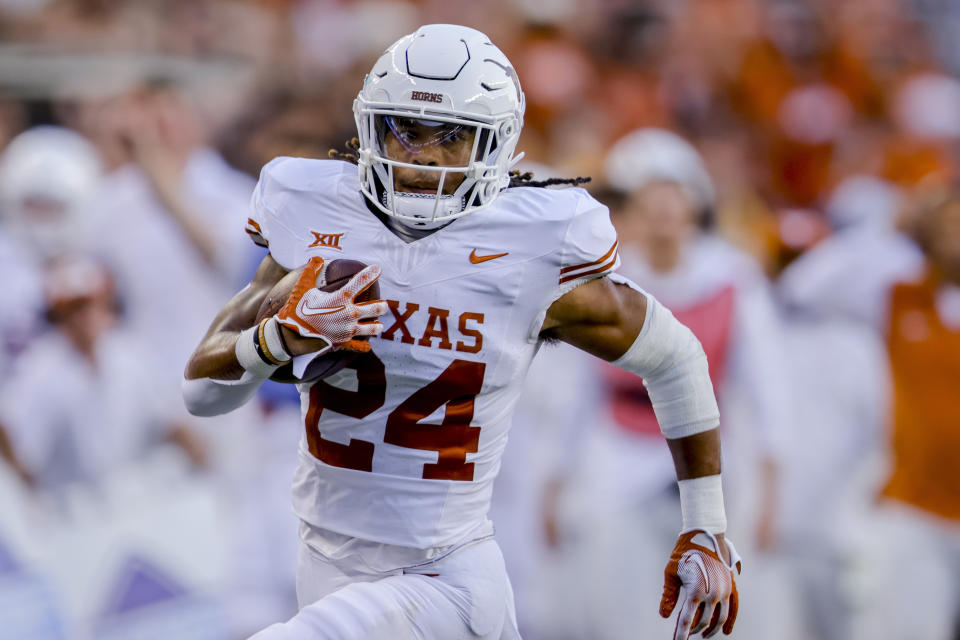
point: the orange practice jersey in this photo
(925, 364)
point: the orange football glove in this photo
(710, 599)
(333, 316)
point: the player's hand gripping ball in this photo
(709, 599)
(337, 301)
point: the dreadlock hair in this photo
(525, 179)
(352, 145)
(517, 179)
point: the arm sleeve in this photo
(674, 369)
(205, 397)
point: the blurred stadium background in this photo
(813, 245)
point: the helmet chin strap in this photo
(420, 205)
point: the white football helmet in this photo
(441, 84)
(651, 155)
(48, 175)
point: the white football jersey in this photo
(402, 447)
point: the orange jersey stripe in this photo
(602, 258)
(600, 269)
(256, 234)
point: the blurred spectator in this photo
(48, 177)
(863, 201)
(170, 217)
(838, 380)
(848, 274)
(837, 376)
(903, 292)
(925, 110)
(918, 518)
(79, 405)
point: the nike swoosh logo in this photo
(307, 310)
(475, 259)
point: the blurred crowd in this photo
(782, 174)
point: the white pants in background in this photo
(463, 595)
(914, 577)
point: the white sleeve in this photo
(205, 397)
(674, 369)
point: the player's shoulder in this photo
(294, 195)
(305, 175)
(549, 206)
(568, 227)
(554, 217)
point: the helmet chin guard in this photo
(424, 210)
(454, 79)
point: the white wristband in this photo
(701, 503)
(248, 357)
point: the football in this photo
(336, 274)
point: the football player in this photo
(400, 449)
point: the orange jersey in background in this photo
(925, 366)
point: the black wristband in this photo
(259, 349)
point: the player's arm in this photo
(215, 356)
(605, 319)
(238, 353)
(613, 320)
(215, 379)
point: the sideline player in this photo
(667, 245)
(102, 414)
(400, 450)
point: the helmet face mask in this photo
(437, 145)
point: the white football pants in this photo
(463, 595)
(914, 579)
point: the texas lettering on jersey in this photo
(431, 327)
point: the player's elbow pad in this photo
(674, 369)
(207, 397)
